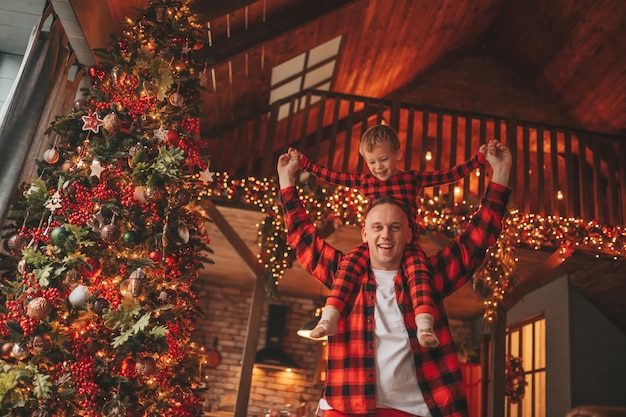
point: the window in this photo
(527, 340)
(313, 69)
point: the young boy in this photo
(380, 147)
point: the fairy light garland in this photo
(346, 206)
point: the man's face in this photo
(386, 232)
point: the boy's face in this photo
(382, 161)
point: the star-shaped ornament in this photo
(160, 133)
(186, 49)
(96, 168)
(54, 202)
(92, 122)
(206, 176)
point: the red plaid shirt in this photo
(350, 379)
(403, 187)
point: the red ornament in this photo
(127, 366)
(92, 268)
(156, 256)
(173, 137)
(92, 122)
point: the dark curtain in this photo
(40, 92)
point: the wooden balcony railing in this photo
(557, 171)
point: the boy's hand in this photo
(294, 153)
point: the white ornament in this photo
(79, 296)
(96, 168)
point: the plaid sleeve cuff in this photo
(497, 197)
(305, 163)
(289, 198)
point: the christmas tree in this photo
(96, 305)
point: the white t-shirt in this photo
(396, 383)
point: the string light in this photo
(346, 206)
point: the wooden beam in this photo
(233, 238)
(256, 309)
(211, 9)
(498, 364)
(249, 350)
(305, 12)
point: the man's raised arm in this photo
(315, 256)
(455, 264)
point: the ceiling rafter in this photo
(226, 49)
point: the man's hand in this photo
(288, 164)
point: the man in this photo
(375, 364)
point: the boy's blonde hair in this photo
(379, 134)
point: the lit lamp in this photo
(309, 325)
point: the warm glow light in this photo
(428, 155)
(559, 195)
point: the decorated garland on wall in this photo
(341, 206)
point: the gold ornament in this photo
(145, 366)
(111, 123)
(20, 351)
(176, 99)
(39, 308)
(67, 166)
(153, 194)
(6, 350)
(40, 343)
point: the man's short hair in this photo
(389, 200)
(376, 135)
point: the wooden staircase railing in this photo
(557, 171)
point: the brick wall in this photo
(226, 316)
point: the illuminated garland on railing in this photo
(345, 206)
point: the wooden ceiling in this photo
(571, 51)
